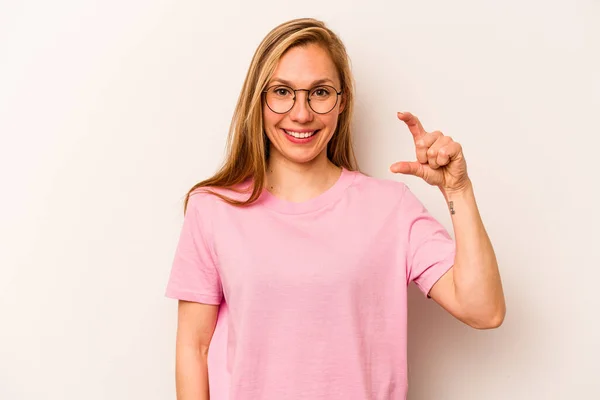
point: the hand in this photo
(440, 160)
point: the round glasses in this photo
(321, 99)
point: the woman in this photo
(311, 257)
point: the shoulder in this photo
(208, 198)
(383, 193)
(378, 187)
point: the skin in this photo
(195, 327)
(298, 172)
(295, 173)
(471, 290)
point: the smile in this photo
(301, 135)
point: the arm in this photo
(195, 327)
(472, 289)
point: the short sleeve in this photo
(194, 275)
(431, 250)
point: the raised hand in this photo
(440, 160)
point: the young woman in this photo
(302, 262)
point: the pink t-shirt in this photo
(313, 295)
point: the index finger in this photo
(413, 123)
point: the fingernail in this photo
(420, 143)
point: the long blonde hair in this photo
(247, 144)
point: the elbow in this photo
(491, 323)
(491, 320)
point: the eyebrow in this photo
(317, 82)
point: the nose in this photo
(301, 112)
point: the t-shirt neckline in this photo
(327, 197)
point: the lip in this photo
(300, 130)
(303, 140)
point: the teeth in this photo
(300, 135)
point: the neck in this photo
(298, 182)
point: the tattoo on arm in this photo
(451, 206)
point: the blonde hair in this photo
(247, 144)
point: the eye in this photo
(321, 92)
(281, 91)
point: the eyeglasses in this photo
(321, 99)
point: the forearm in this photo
(477, 283)
(191, 373)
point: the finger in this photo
(453, 150)
(423, 144)
(432, 152)
(408, 168)
(413, 123)
(443, 157)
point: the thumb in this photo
(408, 168)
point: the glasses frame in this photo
(337, 97)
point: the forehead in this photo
(303, 65)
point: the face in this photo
(301, 135)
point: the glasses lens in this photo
(323, 99)
(280, 99)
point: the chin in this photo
(300, 157)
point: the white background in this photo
(111, 110)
